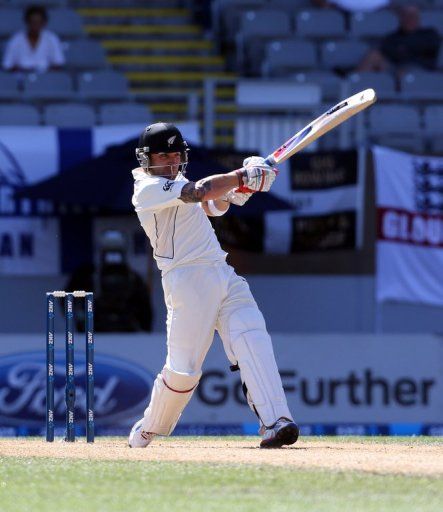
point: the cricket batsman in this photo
(202, 292)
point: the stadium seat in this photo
(422, 85)
(330, 84)
(54, 85)
(227, 15)
(256, 27)
(434, 19)
(103, 85)
(433, 120)
(11, 20)
(125, 113)
(396, 126)
(18, 114)
(342, 54)
(290, 6)
(66, 23)
(8, 87)
(320, 23)
(418, 3)
(85, 54)
(69, 115)
(373, 24)
(282, 57)
(383, 83)
(265, 23)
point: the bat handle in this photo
(270, 160)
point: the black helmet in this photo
(161, 138)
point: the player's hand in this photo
(257, 176)
(238, 198)
(254, 160)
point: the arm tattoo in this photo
(195, 192)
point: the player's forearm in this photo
(210, 188)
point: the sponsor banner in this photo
(28, 246)
(409, 227)
(343, 384)
(324, 189)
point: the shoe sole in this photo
(285, 436)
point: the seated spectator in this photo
(353, 5)
(34, 49)
(409, 47)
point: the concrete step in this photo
(158, 47)
(143, 30)
(158, 4)
(167, 63)
(227, 93)
(181, 108)
(150, 77)
(127, 12)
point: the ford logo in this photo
(121, 389)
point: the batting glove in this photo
(255, 178)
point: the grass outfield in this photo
(36, 481)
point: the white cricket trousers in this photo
(202, 298)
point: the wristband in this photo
(214, 210)
(240, 175)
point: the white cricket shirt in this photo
(180, 233)
(19, 52)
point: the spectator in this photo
(353, 5)
(409, 47)
(34, 49)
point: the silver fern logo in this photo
(171, 140)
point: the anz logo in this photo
(168, 185)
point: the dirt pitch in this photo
(405, 457)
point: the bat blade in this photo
(323, 124)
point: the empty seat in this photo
(422, 85)
(433, 120)
(342, 54)
(433, 19)
(256, 28)
(373, 24)
(329, 83)
(396, 126)
(227, 15)
(65, 23)
(290, 6)
(125, 113)
(11, 20)
(69, 115)
(18, 114)
(382, 83)
(85, 54)
(49, 86)
(265, 23)
(282, 57)
(394, 119)
(320, 23)
(8, 86)
(103, 85)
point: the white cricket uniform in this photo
(19, 52)
(202, 293)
